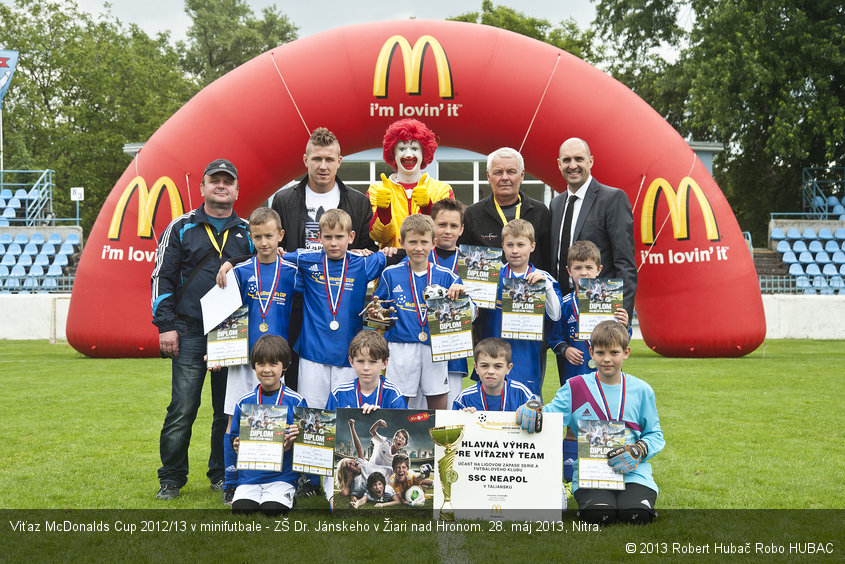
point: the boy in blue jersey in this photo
(411, 367)
(334, 283)
(573, 354)
(529, 363)
(368, 354)
(266, 284)
(610, 394)
(494, 391)
(270, 492)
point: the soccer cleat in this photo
(218, 486)
(228, 495)
(167, 491)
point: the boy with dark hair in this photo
(494, 391)
(403, 477)
(368, 355)
(270, 492)
(608, 394)
(378, 492)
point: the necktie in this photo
(564, 240)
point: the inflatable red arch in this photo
(479, 88)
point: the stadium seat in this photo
(839, 234)
(34, 194)
(778, 234)
(838, 209)
(6, 194)
(832, 201)
(21, 239)
(843, 246)
(796, 269)
(809, 233)
(38, 270)
(66, 249)
(2, 203)
(55, 238)
(48, 249)
(838, 258)
(54, 271)
(3, 249)
(4, 222)
(14, 249)
(72, 238)
(14, 203)
(30, 249)
(829, 269)
(783, 246)
(793, 234)
(813, 269)
(25, 260)
(815, 246)
(818, 202)
(21, 194)
(12, 284)
(842, 270)
(799, 246)
(41, 259)
(49, 284)
(17, 271)
(6, 238)
(822, 257)
(825, 234)
(60, 260)
(842, 217)
(9, 260)
(9, 213)
(831, 246)
(4, 270)
(38, 238)
(789, 258)
(837, 283)
(30, 283)
(805, 257)
(820, 283)
(803, 282)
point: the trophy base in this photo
(447, 512)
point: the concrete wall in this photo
(43, 316)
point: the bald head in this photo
(575, 161)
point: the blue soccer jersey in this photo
(513, 395)
(284, 396)
(528, 363)
(583, 397)
(386, 396)
(449, 261)
(278, 279)
(400, 284)
(331, 310)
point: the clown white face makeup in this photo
(409, 157)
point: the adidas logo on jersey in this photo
(252, 278)
(397, 289)
(571, 319)
(587, 413)
(314, 268)
(239, 236)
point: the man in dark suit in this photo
(598, 213)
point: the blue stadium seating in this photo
(843, 246)
(3, 249)
(789, 257)
(842, 217)
(14, 249)
(25, 260)
(17, 271)
(12, 284)
(66, 249)
(778, 234)
(4, 270)
(4, 222)
(838, 258)
(832, 201)
(820, 283)
(838, 209)
(60, 260)
(54, 271)
(14, 203)
(804, 283)
(21, 239)
(836, 282)
(809, 233)
(822, 257)
(783, 246)
(6, 194)
(813, 269)
(30, 283)
(831, 246)
(793, 234)
(839, 233)
(825, 234)
(829, 269)
(2, 203)
(49, 284)
(842, 269)
(799, 246)
(72, 238)
(54, 238)
(30, 249)
(815, 246)
(805, 257)
(6, 238)
(9, 213)
(48, 249)
(9, 260)
(21, 194)
(796, 269)
(38, 238)
(33, 193)
(41, 259)
(38, 270)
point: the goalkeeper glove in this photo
(626, 458)
(529, 416)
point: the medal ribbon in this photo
(422, 318)
(503, 396)
(334, 304)
(278, 397)
(261, 306)
(213, 239)
(454, 266)
(502, 214)
(379, 396)
(510, 274)
(604, 399)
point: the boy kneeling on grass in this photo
(610, 394)
(267, 491)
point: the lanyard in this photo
(213, 239)
(604, 399)
(454, 266)
(502, 214)
(278, 397)
(334, 304)
(263, 308)
(503, 397)
(510, 274)
(378, 397)
(421, 316)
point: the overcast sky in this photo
(154, 16)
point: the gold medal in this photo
(591, 363)
(423, 336)
(334, 325)
(263, 327)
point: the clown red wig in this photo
(405, 130)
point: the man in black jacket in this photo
(301, 207)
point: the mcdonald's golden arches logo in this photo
(496, 509)
(678, 210)
(412, 57)
(148, 201)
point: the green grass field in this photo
(759, 432)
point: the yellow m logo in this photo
(412, 57)
(678, 209)
(496, 509)
(147, 205)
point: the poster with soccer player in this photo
(497, 471)
(262, 437)
(227, 343)
(595, 440)
(598, 298)
(450, 327)
(523, 306)
(313, 448)
(479, 269)
(383, 459)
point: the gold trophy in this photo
(448, 437)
